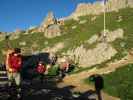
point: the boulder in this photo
(52, 31)
(74, 27)
(23, 43)
(82, 21)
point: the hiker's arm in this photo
(7, 62)
(20, 61)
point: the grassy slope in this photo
(127, 25)
(75, 37)
(120, 83)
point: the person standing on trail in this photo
(64, 66)
(99, 84)
(41, 68)
(8, 52)
(53, 58)
(13, 66)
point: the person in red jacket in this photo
(14, 62)
(41, 68)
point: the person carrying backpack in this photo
(41, 68)
(14, 64)
(64, 66)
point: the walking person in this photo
(99, 84)
(41, 68)
(64, 66)
(13, 66)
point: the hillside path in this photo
(76, 80)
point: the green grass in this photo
(80, 69)
(118, 83)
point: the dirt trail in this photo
(77, 79)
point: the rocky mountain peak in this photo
(48, 20)
(96, 8)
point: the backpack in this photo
(15, 62)
(41, 69)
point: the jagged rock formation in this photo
(112, 36)
(52, 31)
(86, 58)
(102, 52)
(86, 9)
(14, 36)
(130, 3)
(55, 48)
(98, 8)
(49, 20)
(50, 26)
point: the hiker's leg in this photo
(10, 82)
(10, 78)
(60, 73)
(63, 73)
(41, 78)
(98, 91)
(17, 78)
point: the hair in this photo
(17, 50)
(41, 62)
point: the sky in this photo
(21, 14)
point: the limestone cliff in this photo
(98, 8)
(49, 20)
(101, 53)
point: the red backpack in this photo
(15, 62)
(41, 68)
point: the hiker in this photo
(13, 67)
(53, 58)
(41, 68)
(99, 84)
(64, 66)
